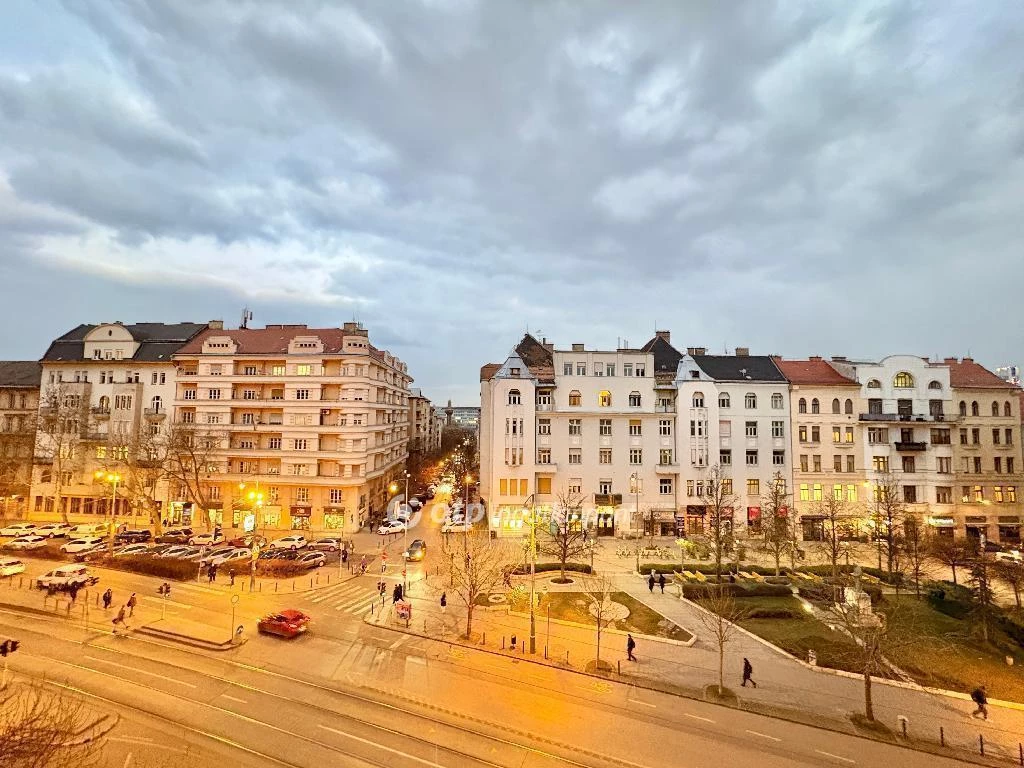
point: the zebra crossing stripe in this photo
(334, 592)
(362, 602)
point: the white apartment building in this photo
(592, 425)
(734, 413)
(310, 425)
(109, 381)
(425, 436)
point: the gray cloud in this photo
(797, 178)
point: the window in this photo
(903, 380)
(514, 398)
(875, 406)
(124, 402)
(837, 435)
(837, 463)
(835, 405)
(778, 429)
(575, 456)
(874, 384)
(805, 492)
(1007, 411)
(567, 369)
(274, 443)
(777, 401)
(665, 456)
(575, 485)
(303, 369)
(627, 369)
(944, 465)
(605, 427)
(975, 436)
(910, 494)
(634, 400)
(213, 418)
(1011, 494)
(665, 486)
(575, 426)
(779, 458)
(1008, 432)
(978, 493)
(1009, 465)
(723, 400)
(997, 494)
(977, 465)
(878, 435)
(604, 486)
(636, 456)
(302, 394)
(963, 408)
(543, 455)
(302, 495)
(641, 370)
(604, 398)
(752, 458)
(803, 462)
(908, 463)
(753, 486)
(665, 427)
(725, 458)
(581, 369)
(598, 369)
(610, 369)
(940, 437)
(802, 432)
(698, 428)
(543, 400)
(751, 429)
(974, 408)
(816, 462)
(801, 406)
(724, 428)
(848, 406)
(815, 434)
(634, 428)
(215, 370)
(698, 399)
(995, 436)
(575, 398)
(543, 426)
(816, 492)
(815, 406)
(750, 400)
(689, 488)
(998, 465)
(995, 408)
(880, 463)
(300, 444)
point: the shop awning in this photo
(301, 511)
(976, 519)
(696, 509)
(753, 513)
(812, 517)
(334, 510)
(1009, 520)
(942, 522)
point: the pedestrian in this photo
(396, 593)
(119, 619)
(133, 601)
(630, 647)
(650, 582)
(981, 699)
(362, 564)
(661, 583)
(401, 591)
(444, 601)
(73, 593)
(748, 670)
(211, 571)
(108, 598)
(231, 577)
(383, 562)
(344, 556)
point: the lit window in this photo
(604, 398)
(903, 380)
(575, 398)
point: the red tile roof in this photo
(272, 340)
(967, 373)
(487, 371)
(812, 371)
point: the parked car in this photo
(95, 552)
(279, 554)
(295, 541)
(87, 529)
(52, 530)
(311, 559)
(391, 526)
(415, 504)
(11, 566)
(416, 551)
(133, 536)
(248, 540)
(31, 541)
(457, 525)
(175, 536)
(158, 549)
(1013, 555)
(178, 550)
(232, 557)
(128, 550)
(403, 513)
(80, 545)
(17, 529)
(64, 576)
(287, 623)
(205, 539)
(326, 545)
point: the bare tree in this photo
(564, 537)
(836, 515)
(16, 442)
(599, 590)
(954, 553)
(889, 514)
(719, 503)
(915, 549)
(64, 419)
(473, 565)
(191, 460)
(41, 728)
(721, 617)
(143, 459)
(777, 526)
(1012, 573)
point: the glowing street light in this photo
(112, 479)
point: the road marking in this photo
(389, 750)
(698, 717)
(837, 757)
(416, 659)
(140, 671)
(645, 703)
(764, 735)
(232, 698)
(398, 642)
(130, 739)
(167, 601)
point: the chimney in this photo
(664, 336)
(215, 325)
(549, 346)
(839, 358)
(950, 361)
(815, 358)
(742, 351)
(577, 347)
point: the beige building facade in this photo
(19, 401)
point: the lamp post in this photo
(634, 480)
(405, 538)
(256, 499)
(530, 518)
(112, 479)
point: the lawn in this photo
(574, 606)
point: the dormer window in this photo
(514, 397)
(514, 371)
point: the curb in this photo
(183, 639)
(612, 631)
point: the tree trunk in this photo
(869, 709)
(778, 558)
(469, 620)
(1016, 594)
(953, 566)
(597, 665)
(721, 667)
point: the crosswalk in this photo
(353, 597)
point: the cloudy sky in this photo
(830, 178)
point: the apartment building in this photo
(19, 400)
(99, 387)
(591, 427)
(982, 501)
(307, 426)
(734, 413)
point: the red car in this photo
(287, 623)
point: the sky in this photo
(796, 178)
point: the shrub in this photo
(521, 570)
(164, 568)
(279, 569)
(1012, 627)
(698, 591)
(771, 613)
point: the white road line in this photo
(232, 698)
(140, 671)
(645, 703)
(158, 600)
(764, 735)
(416, 660)
(698, 717)
(389, 750)
(130, 739)
(837, 757)
(398, 642)
(362, 603)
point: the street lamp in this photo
(256, 499)
(405, 538)
(112, 479)
(634, 480)
(530, 518)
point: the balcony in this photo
(667, 468)
(544, 467)
(42, 459)
(94, 437)
(911, 446)
(661, 408)
(155, 414)
(546, 407)
(904, 417)
(100, 412)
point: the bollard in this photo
(503, 642)
(483, 640)
(293, 585)
(275, 586)
(310, 583)
(261, 587)
(942, 736)
(545, 653)
(618, 664)
(1020, 749)
(981, 744)
(902, 720)
(567, 658)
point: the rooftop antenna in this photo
(246, 317)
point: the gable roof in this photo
(20, 374)
(815, 370)
(157, 341)
(537, 358)
(744, 368)
(967, 373)
(666, 357)
(487, 371)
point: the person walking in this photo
(383, 562)
(344, 556)
(748, 670)
(650, 582)
(133, 601)
(980, 697)
(73, 593)
(362, 564)
(108, 598)
(630, 647)
(661, 583)
(382, 587)
(211, 571)
(231, 577)
(396, 593)
(444, 601)
(118, 620)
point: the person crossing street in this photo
(748, 670)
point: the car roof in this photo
(291, 613)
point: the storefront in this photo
(605, 505)
(1009, 529)
(660, 522)
(942, 526)
(695, 519)
(976, 527)
(338, 519)
(300, 514)
(179, 513)
(753, 521)
(812, 527)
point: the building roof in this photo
(739, 368)
(487, 371)
(967, 373)
(20, 374)
(157, 341)
(666, 357)
(814, 370)
(274, 340)
(535, 355)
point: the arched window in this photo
(963, 408)
(634, 400)
(604, 398)
(801, 406)
(575, 398)
(934, 385)
(723, 400)
(777, 400)
(105, 403)
(815, 406)
(750, 400)
(157, 403)
(514, 398)
(974, 409)
(903, 380)
(848, 406)
(1007, 410)
(995, 408)
(874, 384)
(698, 399)
(835, 405)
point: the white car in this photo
(178, 550)
(205, 540)
(18, 529)
(131, 549)
(66, 575)
(52, 530)
(456, 526)
(9, 566)
(231, 557)
(27, 542)
(1013, 555)
(80, 545)
(87, 529)
(415, 503)
(403, 513)
(295, 541)
(391, 526)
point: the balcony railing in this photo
(919, 417)
(911, 446)
(100, 410)
(663, 408)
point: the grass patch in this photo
(574, 606)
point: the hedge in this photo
(524, 570)
(771, 613)
(280, 569)
(698, 591)
(826, 593)
(162, 567)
